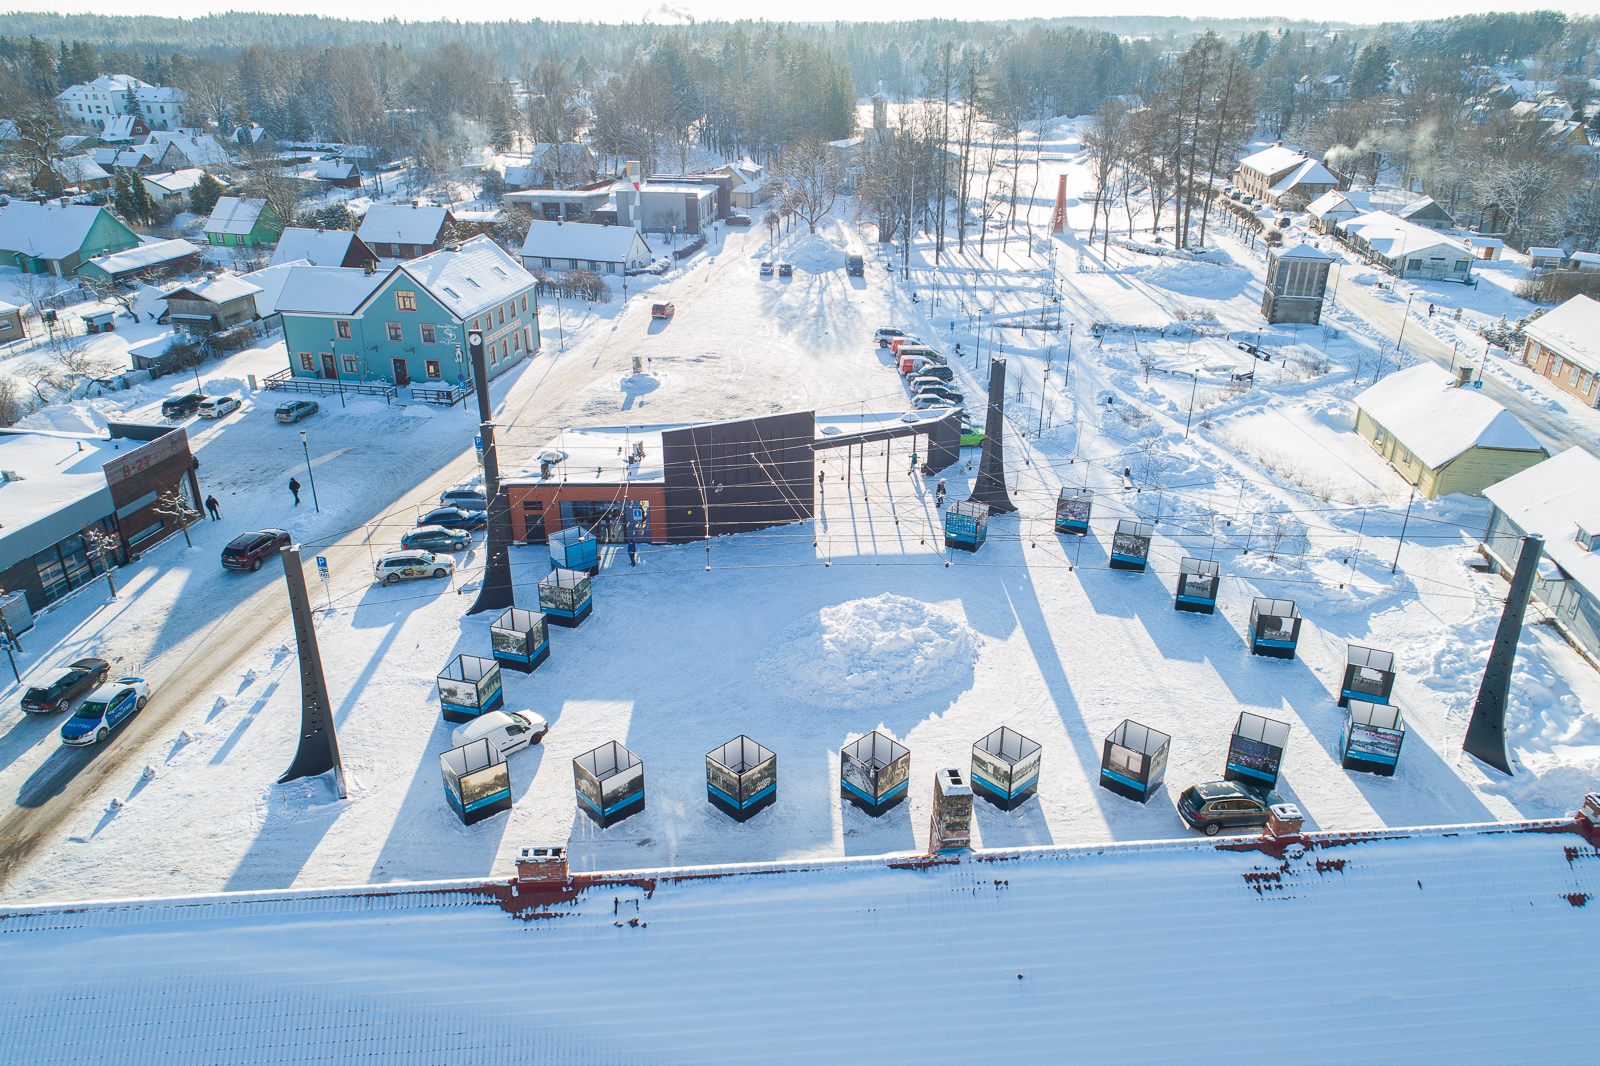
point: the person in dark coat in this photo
(938, 494)
(633, 554)
(214, 507)
(294, 487)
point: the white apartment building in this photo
(101, 100)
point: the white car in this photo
(218, 406)
(104, 709)
(404, 565)
(509, 732)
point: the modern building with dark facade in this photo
(57, 487)
(1297, 280)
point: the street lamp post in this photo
(309, 474)
(1396, 565)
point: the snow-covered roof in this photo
(46, 231)
(150, 254)
(1542, 252)
(177, 180)
(335, 170)
(1309, 172)
(1485, 242)
(120, 128)
(579, 240)
(235, 215)
(326, 247)
(1391, 236)
(1553, 499)
(77, 169)
(1332, 202)
(201, 150)
(328, 290)
(468, 278)
(591, 456)
(1422, 408)
(403, 224)
(1573, 330)
(1585, 257)
(1370, 948)
(1421, 207)
(1304, 251)
(219, 289)
(61, 490)
(1274, 160)
(269, 282)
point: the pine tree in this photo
(203, 197)
(141, 201)
(123, 198)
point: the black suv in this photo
(249, 550)
(1217, 805)
(82, 676)
(179, 406)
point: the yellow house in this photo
(1442, 437)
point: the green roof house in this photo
(243, 223)
(58, 238)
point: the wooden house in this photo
(240, 222)
(405, 231)
(218, 302)
(1564, 346)
(59, 238)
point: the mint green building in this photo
(57, 238)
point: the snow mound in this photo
(1209, 281)
(868, 653)
(77, 417)
(813, 253)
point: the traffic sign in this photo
(322, 568)
(477, 442)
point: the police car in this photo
(104, 710)
(404, 565)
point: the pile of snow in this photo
(813, 253)
(1210, 281)
(873, 652)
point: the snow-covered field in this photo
(806, 637)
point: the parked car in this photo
(785, 270)
(1213, 806)
(896, 343)
(766, 268)
(436, 539)
(662, 310)
(466, 499)
(248, 551)
(455, 518)
(104, 709)
(922, 401)
(936, 370)
(855, 266)
(61, 690)
(952, 397)
(886, 334)
(971, 436)
(393, 567)
(179, 406)
(509, 731)
(738, 220)
(914, 355)
(218, 406)
(295, 410)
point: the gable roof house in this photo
(750, 187)
(1406, 249)
(557, 165)
(1442, 437)
(399, 231)
(73, 172)
(1564, 346)
(322, 247)
(166, 186)
(59, 238)
(124, 129)
(105, 99)
(242, 222)
(1278, 171)
(1426, 212)
(152, 259)
(219, 302)
(584, 246)
(1547, 258)
(1557, 501)
(186, 150)
(340, 174)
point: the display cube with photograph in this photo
(1197, 586)
(873, 772)
(469, 686)
(575, 548)
(520, 639)
(1133, 760)
(564, 597)
(741, 778)
(1255, 750)
(966, 525)
(1274, 627)
(1072, 511)
(1005, 768)
(1130, 545)
(477, 781)
(1368, 675)
(1373, 733)
(610, 783)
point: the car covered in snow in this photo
(248, 551)
(218, 406)
(105, 708)
(394, 567)
(1213, 806)
(468, 499)
(437, 539)
(510, 731)
(57, 693)
(455, 518)
(178, 406)
(293, 411)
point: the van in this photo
(509, 732)
(921, 351)
(855, 266)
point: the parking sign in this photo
(322, 568)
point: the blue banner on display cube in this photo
(1255, 751)
(469, 686)
(1197, 586)
(1130, 545)
(575, 548)
(1368, 675)
(564, 597)
(520, 639)
(1274, 627)
(873, 773)
(1133, 760)
(966, 525)
(477, 781)
(741, 778)
(610, 783)
(1373, 734)
(1005, 768)
(1072, 511)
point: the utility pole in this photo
(319, 743)
(496, 593)
(313, 477)
(1403, 526)
(1192, 390)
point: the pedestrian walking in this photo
(214, 508)
(294, 487)
(633, 554)
(1430, 310)
(913, 464)
(938, 494)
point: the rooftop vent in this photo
(1587, 539)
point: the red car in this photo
(738, 220)
(249, 550)
(662, 310)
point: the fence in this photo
(284, 381)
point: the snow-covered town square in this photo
(835, 517)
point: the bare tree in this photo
(103, 546)
(76, 361)
(812, 179)
(172, 504)
(39, 375)
(12, 406)
(1107, 145)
